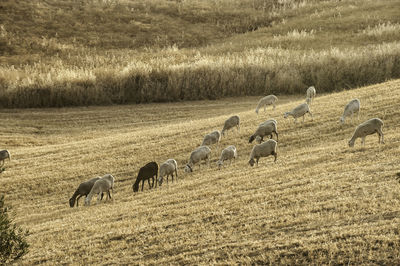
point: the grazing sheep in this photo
(310, 95)
(263, 150)
(369, 127)
(300, 110)
(233, 121)
(265, 129)
(267, 100)
(83, 190)
(4, 154)
(168, 168)
(212, 138)
(104, 184)
(146, 172)
(351, 108)
(198, 155)
(228, 153)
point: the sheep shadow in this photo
(359, 150)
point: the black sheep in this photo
(146, 172)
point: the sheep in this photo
(233, 121)
(263, 150)
(199, 154)
(369, 127)
(104, 184)
(258, 138)
(265, 129)
(350, 109)
(300, 110)
(310, 95)
(168, 168)
(146, 172)
(4, 154)
(83, 190)
(267, 100)
(212, 138)
(228, 153)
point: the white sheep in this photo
(369, 127)
(265, 129)
(350, 109)
(267, 100)
(263, 150)
(4, 154)
(310, 95)
(103, 185)
(228, 153)
(202, 153)
(300, 110)
(168, 168)
(231, 122)
(212, 138)
(258, 138)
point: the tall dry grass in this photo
(173, 75)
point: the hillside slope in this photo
(63, 53)
(321, 202)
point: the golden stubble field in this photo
(321, 201)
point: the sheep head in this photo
(351, 143)
(71, 202)
(251, 162)
(160, 180)
(188, 169)
(219, 164)
(251, 138)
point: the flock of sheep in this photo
(151, 171)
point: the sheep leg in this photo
(363, 141)
(274, 106)
(276, 133)
(275, 155)
(257, 160)
(380, 134)
(99, 197)
(312, 118)
(77, 199)
(143, 184)
(176, 174)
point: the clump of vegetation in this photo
(13, 244)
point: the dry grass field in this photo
(321, 202)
